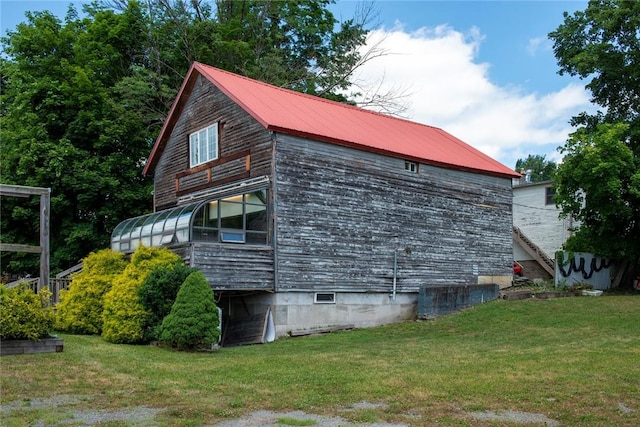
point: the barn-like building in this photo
(317, 214)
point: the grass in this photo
(575, 360)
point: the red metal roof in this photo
(295, 113)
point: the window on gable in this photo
(549, 193)
(411, 166)
(203, 145)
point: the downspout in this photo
(274, 222)
(395, 274)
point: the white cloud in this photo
(448, 88)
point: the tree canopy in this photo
(598, 182)
(84, 98)
(541, 168)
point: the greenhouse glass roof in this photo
(241, 218)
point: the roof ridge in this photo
(317, 98)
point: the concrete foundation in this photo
(299, 311)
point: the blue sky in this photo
(482, 70)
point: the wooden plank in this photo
(14, 247)
(319, 331)
(22, 191)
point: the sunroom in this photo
(237, 219)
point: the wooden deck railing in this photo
(56, 284)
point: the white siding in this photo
(539, 222)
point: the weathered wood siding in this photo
(231, 267)
(244, 146)
(341, 213)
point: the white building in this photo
(539, 232)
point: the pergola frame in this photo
(43, 248)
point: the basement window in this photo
(325, 298)
(411, 167)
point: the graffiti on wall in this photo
(574, 267)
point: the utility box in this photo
(434, 301)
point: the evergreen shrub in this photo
(193, 320)
(124, 316)
(25, 315)
(158, 292)
(80, 308)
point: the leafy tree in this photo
(83, 99)
(297, 44)
(599, 180)
(158, 292)
(194, 319)
(124, 316)
(598, 187)
(70, 123)
(80, 308)
(541, 169)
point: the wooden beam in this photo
(13, 247)
(22, 191)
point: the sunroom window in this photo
(203, 145)
(235, 219)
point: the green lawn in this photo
(575, 360)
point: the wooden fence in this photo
(56, 284)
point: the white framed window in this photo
(325, 298)
(203, 145)
(411, 166)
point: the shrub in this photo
(193, 321)
(25, 315)
(124, 317)
(80, 308)
(158, 292)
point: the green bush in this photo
(25, 315)
(124, 316)
(193, 321)
(80, 308)
(158, 292)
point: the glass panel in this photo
(213, 215)
(232, 236)
(203, 234)
(148, 224)
(202, 146)
(257, 197)
(182, 235)
(256, 217)
(231, 215)
(183, 222)
(136, 228)
(256, 238)
(170, 223)
(120, 229)
(193, 148)
(158, 226)
(213, 142)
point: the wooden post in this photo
(45, 204)
(43, 248)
